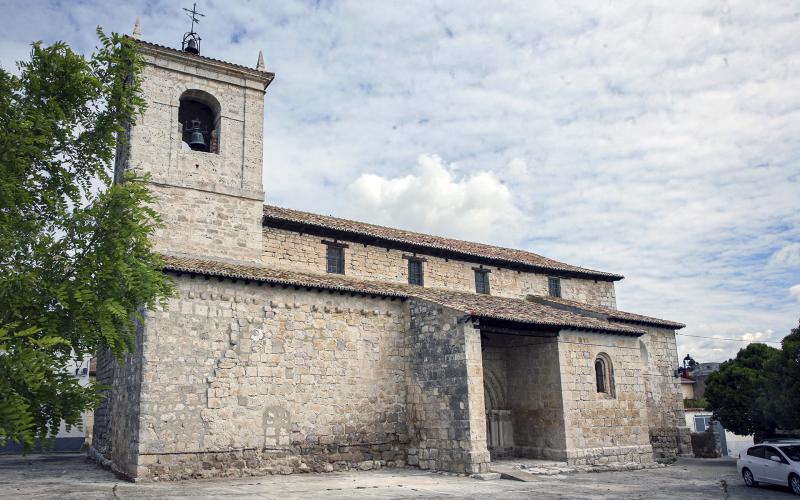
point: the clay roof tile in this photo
(477, 305)
(464, 249)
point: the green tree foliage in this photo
(758, 391)
(75, 257)
(695, 403)
(784, 402)
(736, 392)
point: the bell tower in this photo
(201, 141)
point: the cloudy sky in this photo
(660, 141)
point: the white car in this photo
(771, 462)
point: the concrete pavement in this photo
(71, 476)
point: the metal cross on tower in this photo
(191, 40)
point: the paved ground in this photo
(72, 476)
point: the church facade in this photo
(301, 342)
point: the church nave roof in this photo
(467, 250)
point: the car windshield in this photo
(793, 452)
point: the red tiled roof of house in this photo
(459, 248)
(480, 306)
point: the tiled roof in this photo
(467, 249)
(480, 306)
(612, 314)
(263, 75)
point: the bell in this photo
(197, 141)
(191, 46)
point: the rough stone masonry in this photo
(299, 342)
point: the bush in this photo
(699, 403)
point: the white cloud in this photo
(787, 256)
(438, 199)
(757, 336)
(795, 292)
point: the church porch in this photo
(522, 392)
(563, 395)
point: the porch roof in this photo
(601, 312)
(473, 304)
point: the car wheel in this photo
(794, 484)
(748, 478)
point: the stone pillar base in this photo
(683, 436)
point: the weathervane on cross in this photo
(191, 40)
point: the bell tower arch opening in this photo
(200, 117)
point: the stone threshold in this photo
(523, 469)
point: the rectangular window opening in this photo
(554, 287)
(415, 276)
(481, 281)
(335, 257)
(701, 423)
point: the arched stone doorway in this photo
(499, 431)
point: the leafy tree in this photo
(784, 400)
(736, 392)
(758, 391)
(75, 256)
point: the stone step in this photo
(508, 472)
(487, 476)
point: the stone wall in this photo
(242, 379)
(499, 426)
(211, 204)
(668, 433)
(707, 444)
(535, 398)
(522, 377)
(197, 223)
(445, 391)
(285, 249)
(603, 428)
(115, 440)
(156, 136)
(101, 433)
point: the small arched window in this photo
(604, 374)
(199, 116)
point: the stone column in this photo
(683, 436)
(477, 457)
(447, 416)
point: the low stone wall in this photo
(241, 463)
(664, 443)
(706, 444)
(637, 454)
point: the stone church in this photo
(304, 342)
